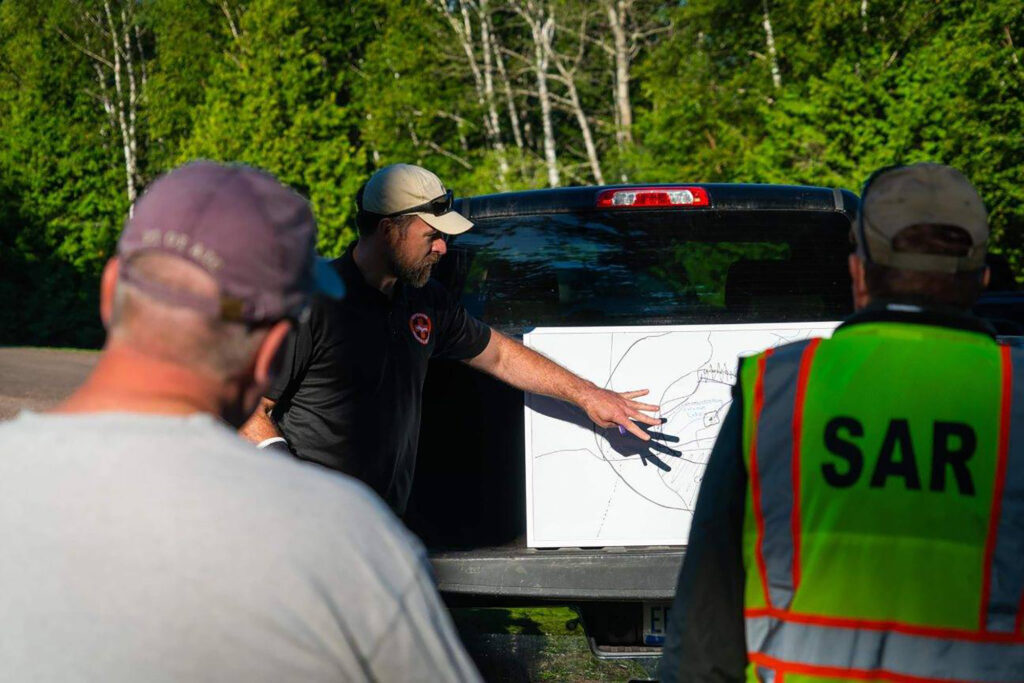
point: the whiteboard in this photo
(588, 486)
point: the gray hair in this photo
(175, 333)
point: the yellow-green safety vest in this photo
(884, 530)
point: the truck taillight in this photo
(643, 197)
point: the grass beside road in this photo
(538, 644)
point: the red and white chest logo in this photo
(420, 325)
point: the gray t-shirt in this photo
(157, 548)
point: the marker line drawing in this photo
(648, 490)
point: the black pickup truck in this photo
(599, 256)
(607, 256)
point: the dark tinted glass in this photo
(643, 268)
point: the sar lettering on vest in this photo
(896, 464)
(838, 475)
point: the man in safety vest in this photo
(862, 513)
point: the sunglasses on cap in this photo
(438, 206)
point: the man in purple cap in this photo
(349, 396)
(143, 540)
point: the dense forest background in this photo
(98, 97)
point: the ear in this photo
(986, 277)
(858, 283)
(108, 286)
(265, 367)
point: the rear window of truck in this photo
(652, 267)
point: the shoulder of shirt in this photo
(308, 492)
(302, 478)
(315, 495)
(303, 512)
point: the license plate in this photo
(655, 622)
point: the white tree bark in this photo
(506, 86)
(232, 25)
(769, 38)
(542, 35)
(510, 101)
(112, 40)
(542, 31)
(487, 53)
(630, 30)
(618, 11)
(483, 80)
(567, 75)
(133, 96)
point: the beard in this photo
(413, 272)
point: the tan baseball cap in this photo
(925, 193)
(405, 189)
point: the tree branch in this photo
(454, 157)
(89, 53)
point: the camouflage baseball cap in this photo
(900, 197)
(252, 234)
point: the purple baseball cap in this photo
(252, 234)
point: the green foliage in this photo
(538, 644)
(705, 265)
(188, 39)
(321, 97)
(952, 92)
(271, 102)
(419, 100)
(62, 187)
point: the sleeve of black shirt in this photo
(295, 358)
(461, 335)
(706, 639)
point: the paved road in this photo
(36, 379)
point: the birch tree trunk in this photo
(588, 137)
(617, 11)
(542, 31)
(112, 40)
(506, 86)
(543, 34)
(483, 80)
(487, 52)
(510, 100)
(769, 38)
(567, 76)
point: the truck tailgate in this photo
(647, 573)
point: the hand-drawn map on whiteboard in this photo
(588, 486)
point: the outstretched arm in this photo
(525, 369)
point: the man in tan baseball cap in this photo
(404, 189)
(350, 393)
(858, 498)
(921, 235)
(856, 478)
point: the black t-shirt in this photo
(349, 395)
